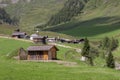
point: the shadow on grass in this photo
(89, 28)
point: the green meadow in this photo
(100, 18)
(11, 69)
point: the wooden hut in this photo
(33, 35)
(46, 52)
(19, 34)
(38, 39)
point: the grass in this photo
(22, 70)
(95, 23)
(6, 29)
(35, 13)
(100, 18)
(98, 27)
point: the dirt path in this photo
(15, 39)
(60, 62)
(77, 49)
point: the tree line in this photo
(5, 18)
(106, 46)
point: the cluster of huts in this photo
(37, 38)
(44, 52)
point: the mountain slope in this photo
(35, 12)
(99, 17)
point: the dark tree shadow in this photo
(90, 27)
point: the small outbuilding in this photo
(19, 34)
(38, 39)
(45, 52)
(32, 36)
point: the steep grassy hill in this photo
(99, 17)
(35, 12)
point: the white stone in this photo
(83, 58)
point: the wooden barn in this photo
(38, 39)
(19, 34)
(46, 52)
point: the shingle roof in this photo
(19, 33)
(40, 48)
(37, 37)
(34, 35)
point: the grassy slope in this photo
(21, 70)
(6, 29)
(100, 18)
(34, 13)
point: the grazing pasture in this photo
(11, 69)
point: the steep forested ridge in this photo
(4, 16)
(71, 8)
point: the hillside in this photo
(35, 12)
(99, 17)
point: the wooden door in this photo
(45, 55)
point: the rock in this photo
(83, 58)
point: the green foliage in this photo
(88, 52)
(110, 60)
(109, 43)
(86, 48)
(114, 43)
(105, 44)
(5, 17)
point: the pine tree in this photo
(4, 16)
(110, 60)
(86, 48)
(44, 40)
(108, 43)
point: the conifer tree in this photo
(86, 48)
(110, 60)
(44, 40)
(86, 52)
